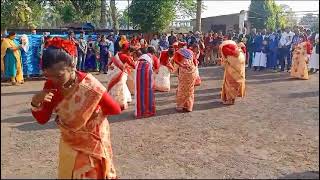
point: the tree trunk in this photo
(128, 15)
(103, 17)
(114, 17)
(198, 18)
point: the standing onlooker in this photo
(116, 44)
(191, 39)
(314, 59)
(155, 43)
(220, 39)
(172, 38)
(111, 45)
(208, 48)
(104, 54)
(284, 48)
(261, 48)
(90, 62)
(81, 48)
(273, 51)
(72, 38)
(251, 45)
(295, 39)
(25, 50)
(243, 34)
(215, 48)
(97, 50)
(164, 44)
(181, 38)
(202, 48)
(11, 60)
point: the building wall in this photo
(231, 22)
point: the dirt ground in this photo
(271, 133)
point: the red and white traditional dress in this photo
(233, 60)
(162, 78)
(186, 79)
(300, 60)
(117, 78)
(85, 147)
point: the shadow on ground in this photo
(19, 93)
(18, 119)
(303, 175)
(304, 94)
(28, 123)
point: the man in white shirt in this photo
(155, 42)
(284, 48)
(111, 44)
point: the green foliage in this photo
(155, 16)
(258, 13)
(267, 14)
(148, 15)
(280, 18)
(67, 12)
(76, 10)
(114, 15)
(151, 15)
(17, 13)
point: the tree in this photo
(310, 20)
(267, 14)
(18, 13)
(258, 13)
(103, 17)
(275, 17)
(281, 19)
(291, 18)
(114, 15)
(198, 18)
(155, 16)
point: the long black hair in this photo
(53, 55)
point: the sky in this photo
(216, 8)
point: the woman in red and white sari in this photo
(233, 59)
(162, 78)
(120, 66)
(186, 79)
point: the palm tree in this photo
(114, 17)
(198, 18)
(103, 17)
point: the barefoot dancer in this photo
(300, 60)
(144, 92)
(120, 66)
(233, 60)
(162, 78)
(81, 103)
(186, 79)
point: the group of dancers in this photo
(82, 103)
(140, 72)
